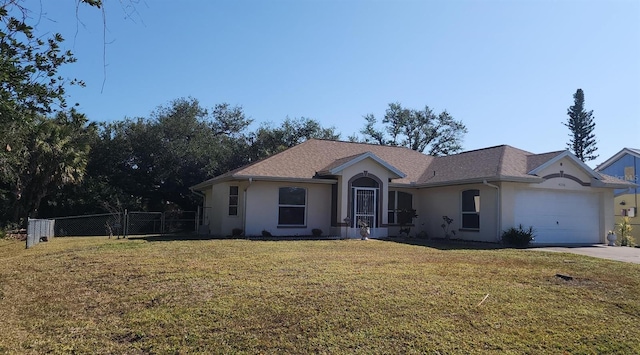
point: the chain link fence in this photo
(39, 230)
(127, 223)
(140, 223)
(89, 225)
(180, 221)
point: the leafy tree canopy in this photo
(42, 142)
(269, 140)
(420, 130)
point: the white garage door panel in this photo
(559, 217)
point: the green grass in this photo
(98, 295)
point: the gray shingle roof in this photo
(316, 157)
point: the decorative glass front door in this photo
(364, 206)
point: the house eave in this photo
(613, 185)
(480, 180)
(203, 185)
(285, 179)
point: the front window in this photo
(233, 200)
(471, 209)
(399, 203)
(292, 206)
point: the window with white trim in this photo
(233, 200)
(471, 209)
(398, 203)
(292, 205)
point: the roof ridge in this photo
(364, 143)
(501, 160)
(505, 146)
(553, 152)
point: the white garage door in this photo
(559, 217)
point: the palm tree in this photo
(58, 152)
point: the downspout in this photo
(244, 207)
(197, 193)
(498, 208)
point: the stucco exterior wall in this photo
(435, 202)
(216, 213)
(262, 208)
(258, 204)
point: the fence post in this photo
(197, 229)
(29, 232)
(126, 224)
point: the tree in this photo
(416, 129)
(269, 140)
(150, 163)
(35, 154)
(581, 124)
(29, 84)
(57, 154)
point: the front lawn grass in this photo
(99, 295)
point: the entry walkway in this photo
(626, 254)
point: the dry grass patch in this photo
(98, 295)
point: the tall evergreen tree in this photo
(581, 125)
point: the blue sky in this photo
(507, 69)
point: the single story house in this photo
(625, 165)
(331, 185)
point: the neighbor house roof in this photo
(631, 151)
(316, 160)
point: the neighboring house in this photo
(625, 165)
(331, 185)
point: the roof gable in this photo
(340, 164)
(571, 157)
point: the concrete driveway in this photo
(626, 254)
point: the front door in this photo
(364, 206)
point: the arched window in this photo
(364, 182)
(471, 209)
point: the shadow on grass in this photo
(296, 237)
(173, 237)
(443, 244)
(456, 244)
(195, 237)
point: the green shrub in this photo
(518, 237)
(625, 238)
(3, 234)
(316, 232)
